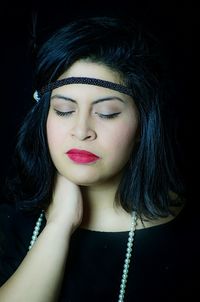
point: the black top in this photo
(164, 265)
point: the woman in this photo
(94, 164)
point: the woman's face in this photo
(85, 119)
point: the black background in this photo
(175, 24)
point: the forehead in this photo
(84, 68)
(89, 78)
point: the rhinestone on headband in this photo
(36, 96)
(82, 80)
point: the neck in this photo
(100, 211)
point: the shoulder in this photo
(14, 223)
(16, 229)
(177, 215)
(7, 215)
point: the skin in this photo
(79, 114)
(85, 127)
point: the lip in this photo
(82, 156)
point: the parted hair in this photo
(122, 45)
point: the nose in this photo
(83, 130)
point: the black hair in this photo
(124, 47)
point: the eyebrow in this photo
(110, 98)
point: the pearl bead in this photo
(127, 259)
(36, 230)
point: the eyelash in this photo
(60, 113)
(104, 116)
(108, 116)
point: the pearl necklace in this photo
(128, 250)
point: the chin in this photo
(88, 178)
(82, 181)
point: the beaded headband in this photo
(81, 80)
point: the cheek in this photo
(54, 134)
(122, 139)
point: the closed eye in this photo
(108, 116)
(63, 113)
(101, 115)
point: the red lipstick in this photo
(82, 156)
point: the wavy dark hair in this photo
(124, 47)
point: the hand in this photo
(66, 207)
